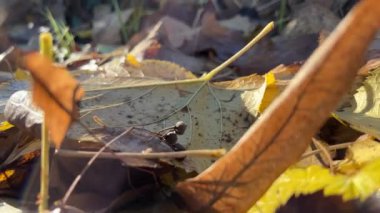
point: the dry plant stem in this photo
(46, 49)
(44, 179)
(269, 27)
(278, 139)
(330, 148)
(325, 153)
(88, 165)
(207, 153)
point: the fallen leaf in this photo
(293, 182)
(56, 92)
(363, 112)
(281, 135)
(364, 150)
(132, 61)
(370, 66)
(138, 141)
(196, 64)
(117, 73)
(6, 174)
(140, 49)
(271, 91)
(19, 151)
(164, 70)
(240, 23)
(285, 72)
(5, 126)
(361, 185)
(177, 32)
(311, 17)
(303, 181)
(216, 114)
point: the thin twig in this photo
(325, 152)
(206, 153)
(330, 148)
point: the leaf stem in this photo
(237, 55)
(330, 148)
(325, 152)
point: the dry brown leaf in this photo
(211, 26)
(282, 134)
(369, 66)
(160, 69)
(56, 92)
(282, 72)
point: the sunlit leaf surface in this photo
(217, 114)
(363, 113)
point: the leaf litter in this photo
(283, 132)
(142, 79)
(363, 112)
(216, 116)
(198, 91)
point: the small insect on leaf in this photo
(56, 92)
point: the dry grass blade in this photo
(282, 134)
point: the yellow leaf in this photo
(294, 181)
(271, 91)
(132, 60)
(6, 174)
(363, 112)
(358, 186)
(303, 181)
(365, 149)
(5, 125)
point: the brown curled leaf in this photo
(56, 92)
(281, 135)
